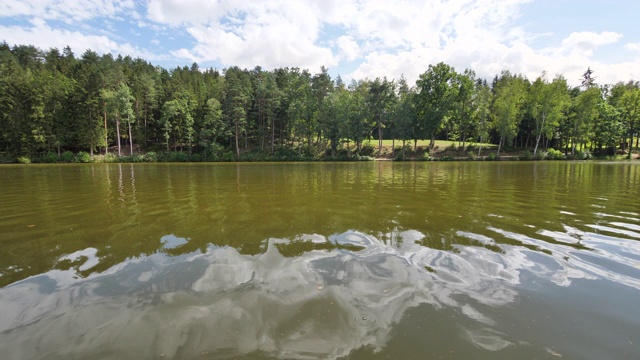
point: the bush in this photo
(540, 155)
(366, 150)
(553, 154)
(137, 158)
(67, 156)
(83, 157)
(24, 160)
(492, 157)
(150, 157)
(110, 158)
(526, 155)
(228, 156)
(50, 157)
(583, 154)
(471, 155)
(197, 158)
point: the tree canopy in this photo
(52, 100)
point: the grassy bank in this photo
(369, 151)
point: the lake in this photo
(375, 260)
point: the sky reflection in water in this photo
(322, 304)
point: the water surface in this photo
(326, 260)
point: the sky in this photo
(355, 39)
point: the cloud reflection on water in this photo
(322, 304)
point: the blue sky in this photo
(353, 38)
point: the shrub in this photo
(110, 158)
(83, 157)
(366, 150)
(553, 154)
(583, 154)
(24, 160)
(471, 155)
(228, 156)
(150, 157)
(67, 156)
(137, 158)
(50, 157)
(180, 156)
(526, 155)
(492, 157)
(540, 155)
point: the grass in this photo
(424, 143)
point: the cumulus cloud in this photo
(633, 46)
(76, 10)
(586, 41)
(43, 36)
(380, 38)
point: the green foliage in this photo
(366, 150)
(151, 156)
(110, 158)
(83, 157)
(553, 154)
(50, 157)
(492, 157)
(526, 155)
(51, 101)
(583, 154)
(24, 160)
(137, 158)
(67, 157)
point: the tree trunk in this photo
(379, 137)
(500, 145)
(237, 141)
(130, 137)
(106, 140)
(539, 135)
(432, 143)
(479, 147)
(629, 156)
(118, 133)
(273, 135)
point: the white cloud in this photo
(68, 11)
(349, 48)
(45, 37)
(269, 34)
(633, 46)
(586, 41)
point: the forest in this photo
(57, 106)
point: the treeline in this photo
(53, 101)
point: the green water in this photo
(466, 260)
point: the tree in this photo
(435, 99)
(464, 106)
(584, 115)
(237, 101)
(630, 113)
(213, 126)
(405, 116)
(548, 102)
(482, 114)
(119, 104)
(177, 120)
(510, 92)
(380, 99)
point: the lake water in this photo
(378, 260)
